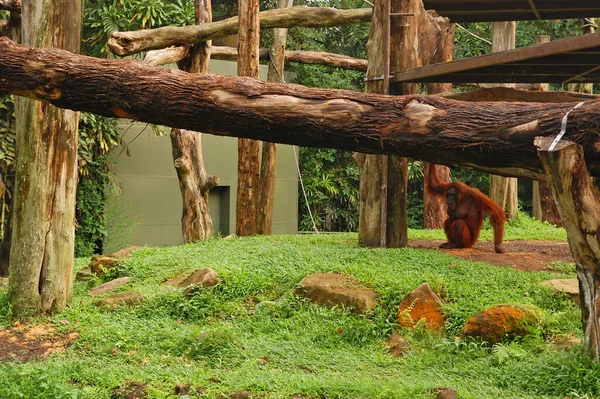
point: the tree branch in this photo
(176, 54)
(127, 43)
(487, 136)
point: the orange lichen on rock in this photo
(422, 303)
(496, 324)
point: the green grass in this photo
(217, 338)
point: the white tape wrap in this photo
(563, 127)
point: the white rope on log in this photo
(563, 127)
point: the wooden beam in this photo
(505, 57)
(128, 43)
(487, 136)
(514, 95)
(176, 54)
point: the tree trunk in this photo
(578, 202)
(194, 182)
(269, 150)
(410, 39)
(370, 167)
(248, 184)
(176, 54)
(15, 34)
(504, 190)
(544, 208)
(42, 248)
(128, 43)
(490, 137)
(434, 208)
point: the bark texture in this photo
(268, 163)
(504, 190)
(194, 183)
(487, 136)
(248, 184)
(411, 40)
(543, 206)
(127, 43)
(434, 208)
(42, 248)
(578, 202)
(186, 145)
(176, 54)
(372, 184)
(15, 33)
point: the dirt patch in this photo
(521, 255)
(26, 343)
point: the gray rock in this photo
(130, 389)
(101, 263)
(397, 346)
(84, 273)
(445, 393)
(569, 286)
(332, 289)
(205, 277)
(109, 286)
(123, 298)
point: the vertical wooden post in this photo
(268, 163)
(370, 166)
(248, 150)
(386, 90)
(544, 207)
(434, 208)
(503, 190)
(410, 44)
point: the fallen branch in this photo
(127, 43)
(176, 54)
(487, 136)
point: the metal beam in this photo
(535, 10)
(450, 71)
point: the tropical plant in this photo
(97, 136)
(330, 180)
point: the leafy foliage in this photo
(103, 17)
(331, 183)
(97, 136)
(330, 176)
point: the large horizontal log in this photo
(487, 136)
(127, 43)
(176, 54)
